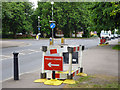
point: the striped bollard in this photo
(43, 74)
(70, 50)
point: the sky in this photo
(34, 2)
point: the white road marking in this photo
(22, 52)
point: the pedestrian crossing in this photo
(21, 52)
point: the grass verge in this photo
(95, 81)
(116, 47)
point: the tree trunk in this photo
(70, 33)
(14, 34)
(75, 33)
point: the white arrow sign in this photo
(51, 26)
(49, 64)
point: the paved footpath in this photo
(101, 60)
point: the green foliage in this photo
(116, 47)
(82, 79)
(103, 16)
(16, 17)
(69, 16)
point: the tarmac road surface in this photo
(101, 60)
(30, 53)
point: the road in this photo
(31, 55)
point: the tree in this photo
(16, 17)
(69, 16)
(103, 16)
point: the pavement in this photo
(102, 60)
(7, 44)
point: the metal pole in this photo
(80, 57)
(53, 74)
(16, 69)
(70, 63)
(52, 12)
(43, 62)
(70, 50)
(38, 26)
(44, 49)
(38, 23)
(52, 33)
(52, 20)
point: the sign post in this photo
(52, 25)
(39, 28)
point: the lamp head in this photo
(52, 2)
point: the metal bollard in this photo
(70, 50)
(83, 48)
(51, 41)
(43, 74)
(62, 40)
(53, 74)
(80, 58)
(16, 69)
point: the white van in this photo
(105, 34)
(115, 33)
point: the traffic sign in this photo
(54, 63)
(39, 28)
(52, 25)
(53, 51)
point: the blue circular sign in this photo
(52, 25)
(39, 28)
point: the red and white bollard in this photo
(70, 50)
(80, 68)
(43, 74)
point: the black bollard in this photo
(81, 70)
(16, 69)
(53, 74)
(83, 48)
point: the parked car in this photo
(119, 35)
(112, 36)
(105, 35)
(116, 35)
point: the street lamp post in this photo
(52, 17)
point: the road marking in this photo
(22, 52)
(3, 57)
